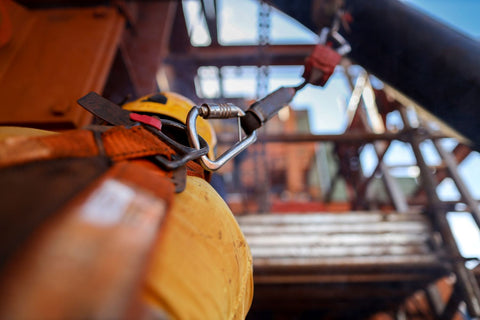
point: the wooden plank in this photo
(337, 306)
(336, 262)
(332, 292)
(350, 239)
(315, 261)
(326, 240)
(433, 267)
(337, 218)
(339, 278)
(333, 228)
(335, 251)
(410, 261)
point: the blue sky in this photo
(459, 14)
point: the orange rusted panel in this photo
(54, 57)
(5, 25)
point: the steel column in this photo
(467, 284)
(462, 188)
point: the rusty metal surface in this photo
(54, 57)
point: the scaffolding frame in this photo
(365, 125)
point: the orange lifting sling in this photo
(88, 253)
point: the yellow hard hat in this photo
(177, 107)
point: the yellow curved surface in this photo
(7, 132)
(202, 266)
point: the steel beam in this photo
(209, 8)
(462, 188)
(467, 285)
(241, 55)
(372, 122)
(347, 137)
(144, 50)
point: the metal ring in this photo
(185, 153)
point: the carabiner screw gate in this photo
(217, 111)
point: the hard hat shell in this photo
(175, 106)
(218, 283)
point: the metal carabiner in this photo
(217, 111)
(343, 45)
(332, 32)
